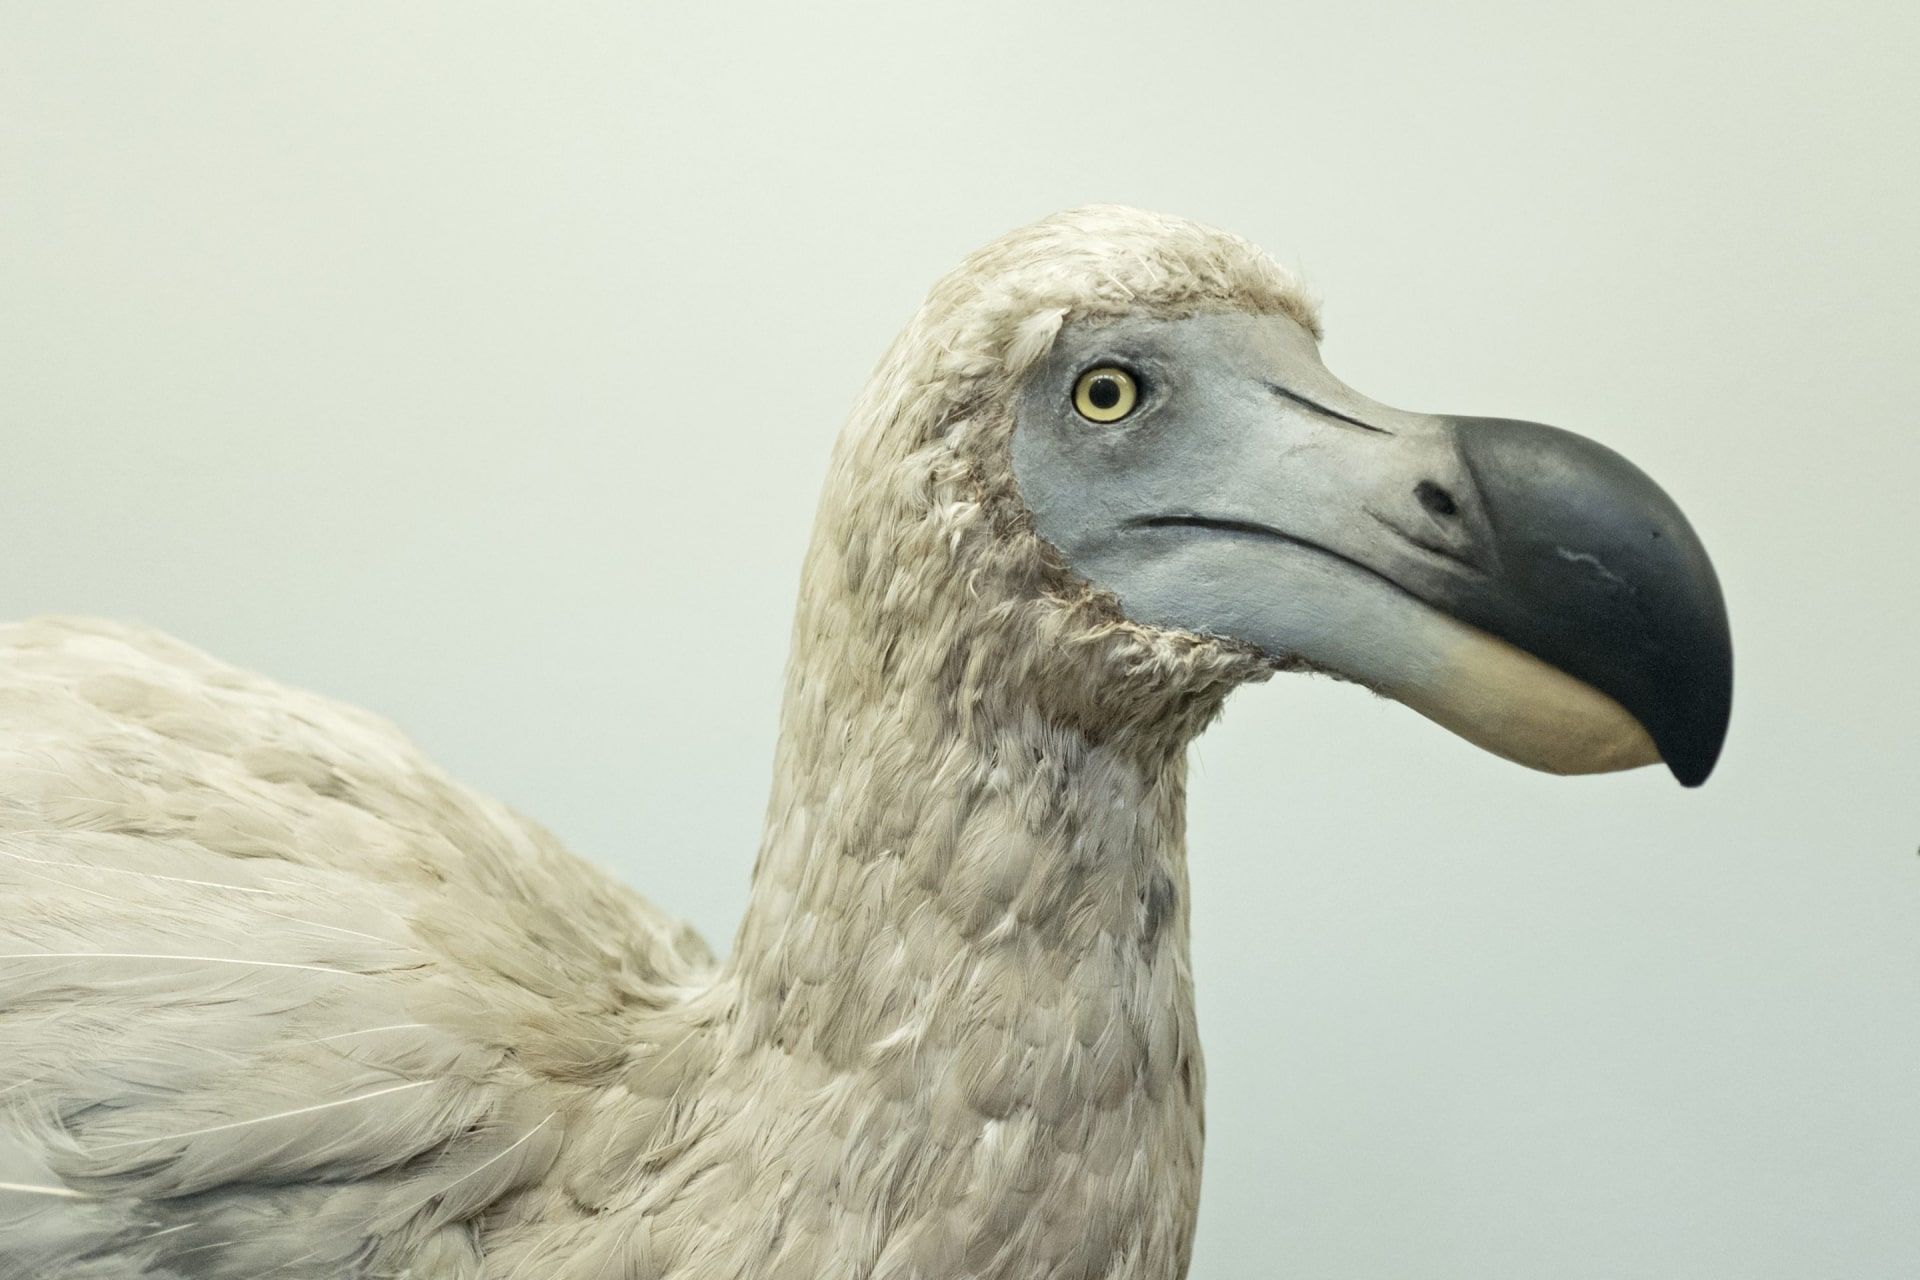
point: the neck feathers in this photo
(962, 984)
(928, 814)
(978, 914)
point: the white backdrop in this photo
(478, 364)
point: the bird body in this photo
(320, 1000)
(279, 997)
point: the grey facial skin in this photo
(1525, 586)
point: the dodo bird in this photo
(278, 998)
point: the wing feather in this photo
(276, 995)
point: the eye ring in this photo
(1105, 394)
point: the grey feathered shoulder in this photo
(275, 994)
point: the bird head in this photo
(1116, 429)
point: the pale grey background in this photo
(479, 363)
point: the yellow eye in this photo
(1105, 394)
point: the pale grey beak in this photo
(1522, 585)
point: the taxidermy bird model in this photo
(278, 998)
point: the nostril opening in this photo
(1436, 499)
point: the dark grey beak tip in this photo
(1691, 756)
(1602, 576)
(1691, 733)
(1690, 776)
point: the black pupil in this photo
(1103, 392)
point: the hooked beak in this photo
(1574, 556)
(1523, 586)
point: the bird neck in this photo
(932, 819)
(976, 911)
(897, 853)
